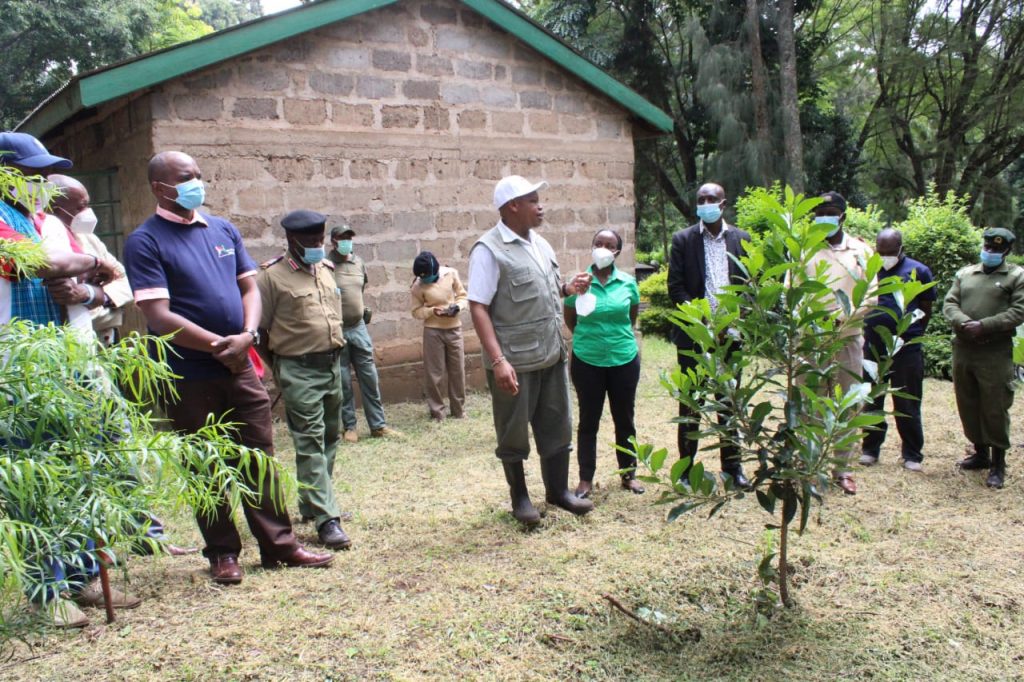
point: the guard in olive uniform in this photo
(985, 305)
(302, 323)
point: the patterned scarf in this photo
(30, 299)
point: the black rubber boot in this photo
(555, 471)
(522, 509)
(997, 474)
(979, 460)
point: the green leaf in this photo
(657, 460)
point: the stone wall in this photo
(399, 122)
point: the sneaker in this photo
(911, 465)
(867, 459)
(62, 613)
(92, 595)
(386, 432)
(351, 436)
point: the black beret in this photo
(303, 221)
(834, 199)
(425, 264)
(999, 236)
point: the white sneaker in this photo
(912, 466)
(867, 459)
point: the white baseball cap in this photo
(513, 187)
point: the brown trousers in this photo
(242, 399)
(444, 358)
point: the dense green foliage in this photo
(778, 399)
(655, 318)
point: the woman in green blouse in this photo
(605, 359)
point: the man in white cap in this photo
(515, 299)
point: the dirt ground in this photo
(917, 577)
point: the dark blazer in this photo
(686, 275)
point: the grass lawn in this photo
(917, 577)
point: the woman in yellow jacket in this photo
(437, 298)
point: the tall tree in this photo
(793, 143)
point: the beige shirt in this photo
(118, 291)
(846, 264)
(301, 310)
(350, 276)
(445, 291)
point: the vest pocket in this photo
(523, 284)
(524, 348)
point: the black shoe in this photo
(332, 536)
(977, 460)
(997, 474)
(739, 479)
(522, 508)
(555, 472)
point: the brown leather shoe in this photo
(225, 570)
(846, 484)
(583, 489)
(632, 485)
(300, 558)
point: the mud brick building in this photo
(395, 116)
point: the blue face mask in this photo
(709, 213)
(191, 194)
(991, 260)
(345, 247)
(828, 220)
(312, 256)
(428, 279)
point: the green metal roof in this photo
(109, 83)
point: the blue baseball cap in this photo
(22, 149)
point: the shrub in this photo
(655, 318)
(751, 212)
(938, 232)
(865, 223)
(655, 256)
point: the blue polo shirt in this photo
(196, 267)
(903, 269)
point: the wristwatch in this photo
(255, 334)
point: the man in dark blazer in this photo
(699, 266)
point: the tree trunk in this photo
(758, 82)
(787, 506)
(793, 139)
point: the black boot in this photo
(997, 473)
(522, 509)
(979, 460)
(733, 467)
(555, 471)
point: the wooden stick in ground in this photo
(621, 607)
(108, 602)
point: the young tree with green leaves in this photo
(777, 400)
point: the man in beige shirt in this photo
(437, 299)
(845, 258)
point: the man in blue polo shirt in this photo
(191, 276)
(907, 370)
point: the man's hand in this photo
(233, 351)
(579, 283)
(440, 311)
(66, 291)
(105, 272)
(505, 377)
(972, 329)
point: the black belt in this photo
(327, 357)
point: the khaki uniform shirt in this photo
(996, 299)
(350, 276)
(119, 291)
(301, 311)
(445, 291)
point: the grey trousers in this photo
(543, 404)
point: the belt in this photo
(328, 357)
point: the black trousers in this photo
(592, 383)
(730, 456)
(907, 375)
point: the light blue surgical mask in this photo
(313, 255)
(828, 220)
(345, 247)
(709, 213)
(990, 259)
(191, 194)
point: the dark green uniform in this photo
(302, 315)
(983, 366)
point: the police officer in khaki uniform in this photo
(302, 322)
(985, 305)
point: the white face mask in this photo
(84, 222)
(602, 257)
(889, 262)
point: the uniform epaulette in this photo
(271, 262)
(328, 262)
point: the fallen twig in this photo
(692, 634)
